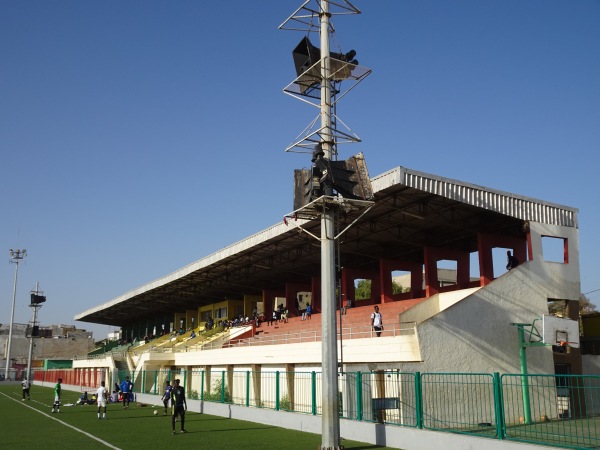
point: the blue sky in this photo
(139, 136)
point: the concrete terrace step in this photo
(355, 323)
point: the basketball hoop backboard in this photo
(559, 331)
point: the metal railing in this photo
(564, 408)
(220, 340)
(296, 337)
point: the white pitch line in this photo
(108, 444)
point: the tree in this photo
(397, 289)
(558, 307)
(362, 291)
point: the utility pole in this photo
(16, 257)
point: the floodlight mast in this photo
(326, 138)
(330, 426)
(16, 257)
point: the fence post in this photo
(524, 377)
(247, 388)
(277, 390)
(498, 404)
(359, 397)
(313, 394)
(419, 400)
(202, 386)
(156, 386)
(223, 386)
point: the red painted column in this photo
(432, 285)
(486, 264)
(316, 294)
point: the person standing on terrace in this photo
(377, 321)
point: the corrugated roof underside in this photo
(249, 242)
(502, 202)
(512, 205)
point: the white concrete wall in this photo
(591, 364)
(475, 334)
(47, 348)
(387, 350)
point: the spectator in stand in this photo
(348, 305)
(306, 315)
(284, 315)
(377, 321)
(512, 262)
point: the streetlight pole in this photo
(16, 257)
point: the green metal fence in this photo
(557, 410)
(460, 402)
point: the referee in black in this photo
(179, 405)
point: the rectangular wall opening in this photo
(555, 249)
(401, 281)
(362, 289)
(447, 272)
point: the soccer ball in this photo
(155, 412)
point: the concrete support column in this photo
(290, 372)
(256, 384)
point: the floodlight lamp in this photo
(317, 152)
(350, 57)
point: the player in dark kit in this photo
(167, 396)
(179, 405)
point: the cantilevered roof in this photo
(412, 210)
